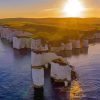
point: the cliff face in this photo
(55, 30)
(51, 24)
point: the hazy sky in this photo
(44, 8)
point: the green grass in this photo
(55, 29)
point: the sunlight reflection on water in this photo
(76, 91)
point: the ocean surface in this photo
(87, 65)
(15, 74)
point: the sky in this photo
(44, 8)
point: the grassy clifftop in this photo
(55, 29)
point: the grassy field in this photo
(55, 29)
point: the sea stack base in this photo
(38, 93)
(58, 83)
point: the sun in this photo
(73, 8)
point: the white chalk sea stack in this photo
(85, 43)
(38, 77)
(76, 44)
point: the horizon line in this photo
(50, 17)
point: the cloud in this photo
(51, 9)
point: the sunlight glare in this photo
(73, 8)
